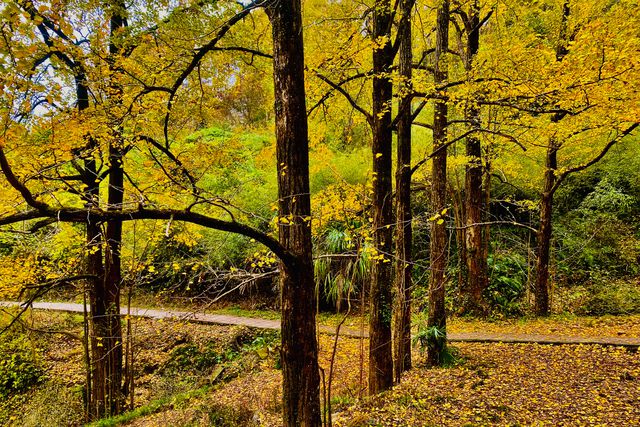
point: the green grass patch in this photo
(151, 408)
(241, 312)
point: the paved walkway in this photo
(221, 319)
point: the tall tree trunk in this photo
(458, 206)
(403, 285)
(486, 214)
(438, 245)
(301, 380)
(380, 310)
(107, 357)
(543, 236)
(474, 236)
(95, 402)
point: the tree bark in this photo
(458, 209)
(301, 380)
(474, 236)
(107, 351)
(94, 395)
(438, 245)
(543, 236)
(486, 214)
(403, 285)
(380, 310)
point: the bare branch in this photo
(347, 96)
(596, 159)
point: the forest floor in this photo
(196, 374)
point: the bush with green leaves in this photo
(507, 281)
(429, 337)
(340, 268)
(613, 297)
(19, 367)
(191, 357)
(599, 237)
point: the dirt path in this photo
(221, 319)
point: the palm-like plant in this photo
(341, 264)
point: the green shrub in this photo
(613, 298)
(339, 279)
(266, 345)
(429, 337)
(225, 416)
(19, 369)
(507, 280)
(190, 357)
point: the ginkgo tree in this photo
(572, 84)
(106, 108)
(119, 115)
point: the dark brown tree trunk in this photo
(543, 236)
(458, 205)
(107, 351)
(438, 245)
(404, 260)
(109, 330)
(474, 236)
(380, 310)
(486, 214)
(94, 403)
(301, 379)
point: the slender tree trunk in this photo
(403, 285)
(486, 214)
(458, 200)
(95, 395)
(107, 357)
(380, 310)
(438, 245)
(301, 380)
(474, 236)
(543, 236)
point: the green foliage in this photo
(433, 337)
(598, 238)
(208, 135)
(507, 280)
(191, 357)
(224, 416)
(606, 197)
(151, 408)
(19, 368)
(429, 337)
(613, 297)
(266, 345)
(339, 278)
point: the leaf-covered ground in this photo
(501, 384)
(574, 326)
(494, 384)
(238, 382)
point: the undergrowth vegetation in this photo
(205, 375)
(175, 363)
